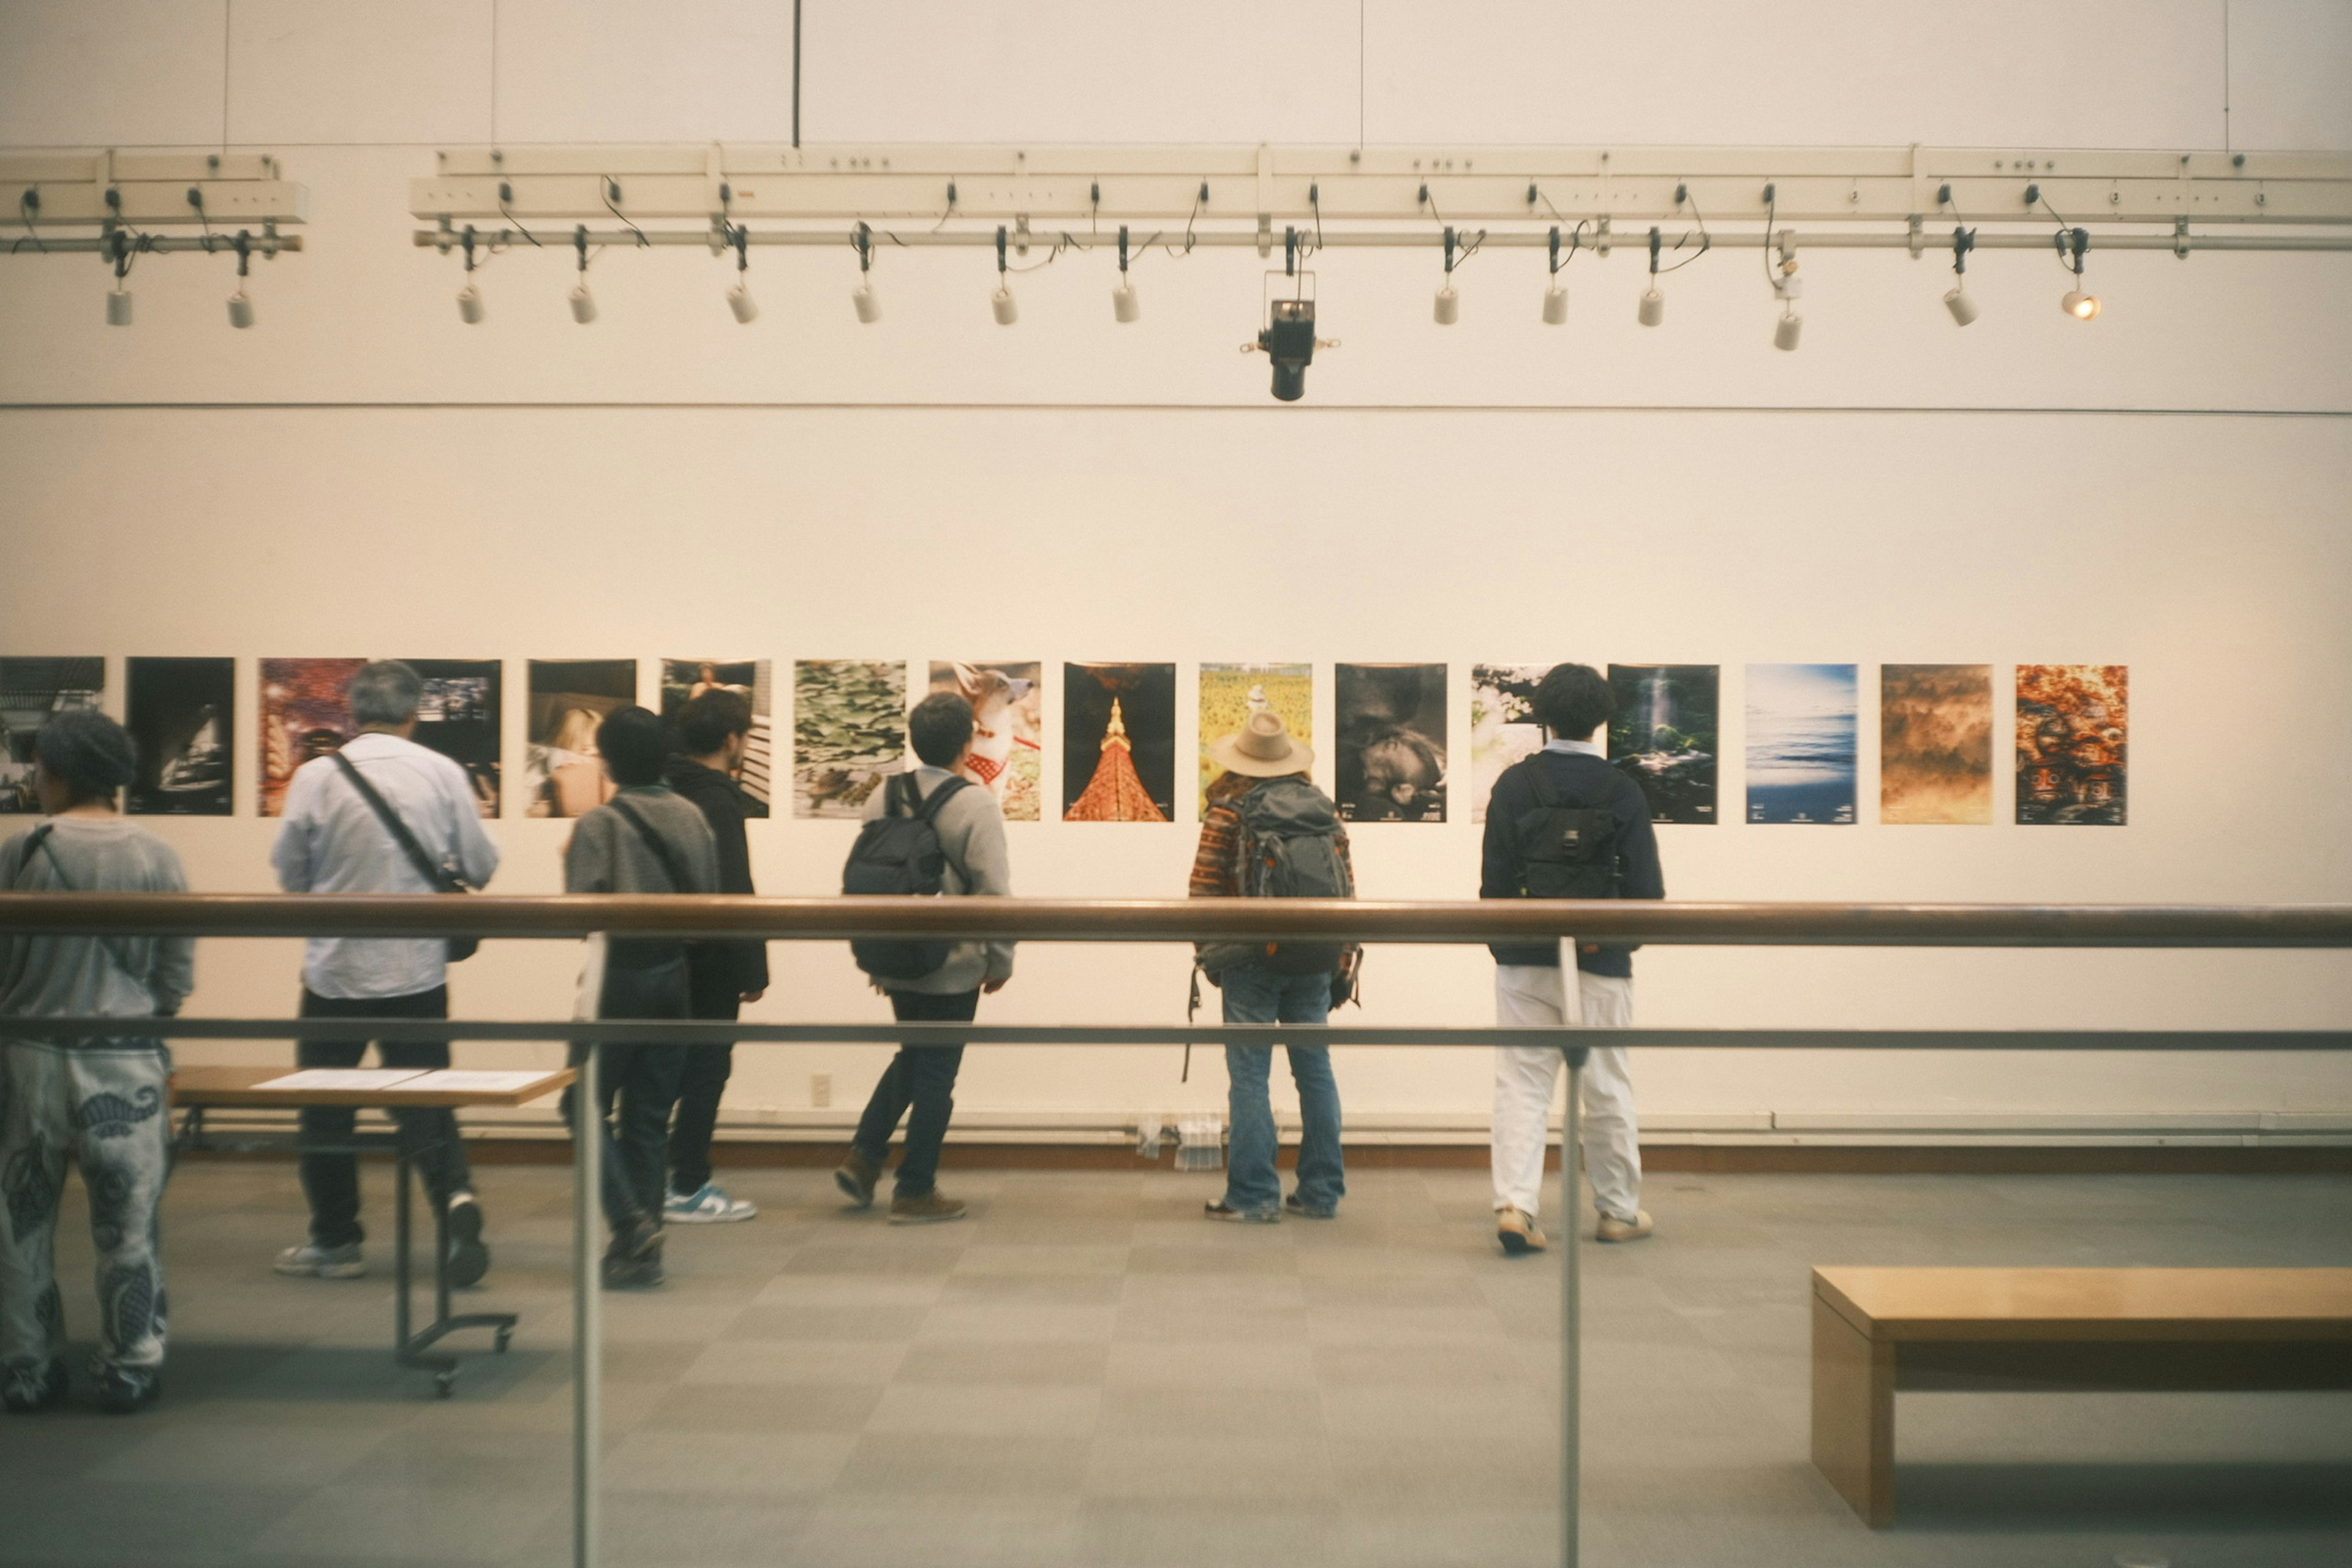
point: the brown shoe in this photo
(925, 1209)
(1634, 1229)
(856, 1178)
(1516, 1230)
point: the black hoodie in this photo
(722, 805)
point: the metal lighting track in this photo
(1040, 191)
(216, 192)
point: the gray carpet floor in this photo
(1086, 1373)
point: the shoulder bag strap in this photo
(1540, 780)
(37, 842)
(439, 876)
(679, 881)
(949, 785)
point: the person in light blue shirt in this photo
(333, 840)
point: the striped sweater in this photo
(1217, 865)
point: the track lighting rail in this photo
(1069, 187)
(1388, 239)
(51, 190)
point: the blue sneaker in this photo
(707, 1204)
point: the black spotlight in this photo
(1289, 339)
(1288, 336)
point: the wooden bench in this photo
(1877, 1330)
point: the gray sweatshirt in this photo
(109, 976)
(606, 855)
(971, 831)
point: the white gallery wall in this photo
(362, 475)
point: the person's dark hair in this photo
(631, 740)
(93, 753)
(385, 692)
(940, 727)
(1572, 700)
(712, 719)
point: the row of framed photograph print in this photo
(1118, 735)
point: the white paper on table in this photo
(461, 1081)
(343, 1078)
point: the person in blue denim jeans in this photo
(1257, 995)
(1268, 832)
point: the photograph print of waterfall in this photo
(1801, 759)
(1664, 736)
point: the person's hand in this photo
(751, 996)
(991, 988)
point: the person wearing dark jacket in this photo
(1570, 777)
(712, 732)
(646, 839)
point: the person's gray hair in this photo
(385, 692)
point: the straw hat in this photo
(1263, 748)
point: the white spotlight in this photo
(868, 303)
(583, 305)
(469, 306)
(1124, 305)
(1449, 306)
(1006, 308)
(2079, 305)
(1555, 307)
(240, 309)
(1652, 310)
(739, 301)
(1784, 336)
(1962, 305)
(117, 308)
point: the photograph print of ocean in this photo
(1802, 722)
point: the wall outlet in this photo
(820, 1089)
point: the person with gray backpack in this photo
(928, 833)
(1268, 833)
(1564, 824)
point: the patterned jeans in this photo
(104, 1103)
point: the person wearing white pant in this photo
(1524, 1076)
(1563, 824)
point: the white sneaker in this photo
(311, 1261)
(708, 1205)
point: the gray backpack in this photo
(1290, 849)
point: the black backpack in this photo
(1565, 851)
(899, 852)
(1290, 849)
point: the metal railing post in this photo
(1571, 1327)
(587, 1287)
(1572, 1338)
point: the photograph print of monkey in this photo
(1389, 760)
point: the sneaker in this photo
(633, 1260)
(1613, 1229)
(29, 1386)
(933, 1207)
(1292, 1204)
(709, 1204)
(311, 1261)
(1516, 1230)
(128, 1390)
(857, 1177)
(1224, 1211)
(468, 1258)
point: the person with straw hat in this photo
(1268, 832)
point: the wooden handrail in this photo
(1185, 919)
